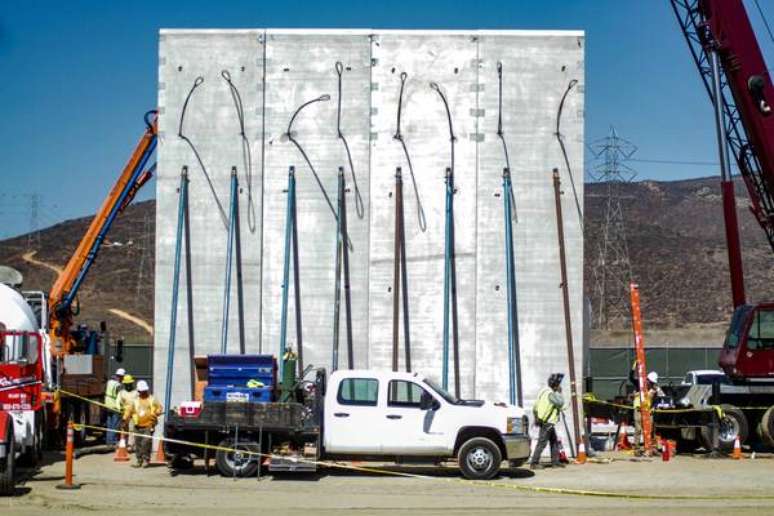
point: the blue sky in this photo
(76, 77)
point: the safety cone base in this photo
(581, 459)
(68, 487)
(122, 455)
(160, 457)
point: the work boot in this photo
(146, 464)
(137, 464)
(558, 465)
(536, 466)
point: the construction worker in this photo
(548, 407)
(125, 397)
(652, 390)
(144, 412)
(112, 390)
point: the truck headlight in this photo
(509, 425)
(515, 425)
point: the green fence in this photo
(610, 367)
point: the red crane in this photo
(726, 52)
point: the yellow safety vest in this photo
(544, 409)
(145, 412)
(111, 394)
(636, 401)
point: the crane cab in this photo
(748, 351)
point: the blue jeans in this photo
(113, 421)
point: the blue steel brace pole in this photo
(337, 287)
(447, 280)
(175, 288)
(289, 223)
(229, 250)
(509, 279)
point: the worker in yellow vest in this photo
(652, 390)
(144, 411)
(112, 391)
(548, 407)
(125, 397)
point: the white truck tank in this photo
(15, 313)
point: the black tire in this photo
(734, 423)
(766, 428)
(231, 464)
(8, 467)
(479, 459)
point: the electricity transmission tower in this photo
(33, 236)
(612, 270)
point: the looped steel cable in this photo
(399, 136)
(558, 135)
(452, 138)
(246, 153)
(289, 134)
(501, 135)
(359, 207)
(198, 82)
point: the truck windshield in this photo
(18, 349)
(442, 392)
(737, 321)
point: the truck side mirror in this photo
(426, 402)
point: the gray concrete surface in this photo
(115, 488)
(277, 70)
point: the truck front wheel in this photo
(479, 459)
(8, 466)
(235, 463)
(733, 424)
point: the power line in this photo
(765, 21)
(675, 162)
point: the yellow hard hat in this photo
(128, 379)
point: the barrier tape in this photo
(95, 402)
(469, 483)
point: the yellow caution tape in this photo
(589, 398)
(469, 483)
(95, 402)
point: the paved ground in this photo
(110, 487)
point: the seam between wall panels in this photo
(262, 40)
(370, 210)
(475, 225)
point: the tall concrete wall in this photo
(276, 71)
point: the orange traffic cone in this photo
(122, 455)
(161, 457)
(623, 440)
(581, 459)
(737, 454)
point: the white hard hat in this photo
(142, 386)
(120, 371)
(653, 377)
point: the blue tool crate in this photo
(237, 370)
(238, 394)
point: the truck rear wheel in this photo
(479, 459)
(234, 463)
(8, 467)
(766, 427)
(732, 424)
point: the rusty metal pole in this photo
(396, 269)
(566, 301)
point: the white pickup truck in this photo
(406, 415)
(359, 415)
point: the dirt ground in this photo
(109, 487)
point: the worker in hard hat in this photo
(125, 397)
(112, 390)
(548, 407)
(144, 412)
(651, 391)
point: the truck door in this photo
(409, 430)
(757, 359)
(352, 424)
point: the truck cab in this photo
(407, 416)
(748, 351)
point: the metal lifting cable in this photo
(399, 136)
(501, 134)
(198, 82)
(359, 208)
(558, 135)
(452, 138)
(246, 153)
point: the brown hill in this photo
(674, 232)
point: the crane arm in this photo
(746, 92)
(66, 286)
